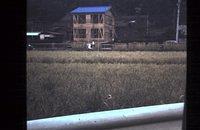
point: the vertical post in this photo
(147, 24)
(177, 22)
(88, 29)
(98, 46)
(147, 29)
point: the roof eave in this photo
(88, 12)
(74, 11)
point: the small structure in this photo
(51, 37)
(93, 24)
(45, 40)
(33, 36)
(44, 37)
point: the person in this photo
(89, 46)
(93, 44)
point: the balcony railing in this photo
(157, 117)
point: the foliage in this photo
(139, 46)
(52, 10)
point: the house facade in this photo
(93, 24)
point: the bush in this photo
(177, 47)
(149, 47)
(78, 46)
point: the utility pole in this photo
(147, 24)
(147, 28)
(177, 22)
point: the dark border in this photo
(193, 70)
(13, 65)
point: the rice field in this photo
(106, 57)
(71, 82)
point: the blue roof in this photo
(97, 9)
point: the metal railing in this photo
(111, 119)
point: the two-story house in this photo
(93, 24)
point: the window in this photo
(80, 33)
(96, 33)
(81, 19)
(96, 18)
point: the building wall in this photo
(88, 26)
(109, 26)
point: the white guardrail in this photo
(157, 117)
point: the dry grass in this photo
(69, 87)
(106, 57)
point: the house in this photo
(93, 24)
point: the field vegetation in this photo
(70, 82)
(106, 57)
